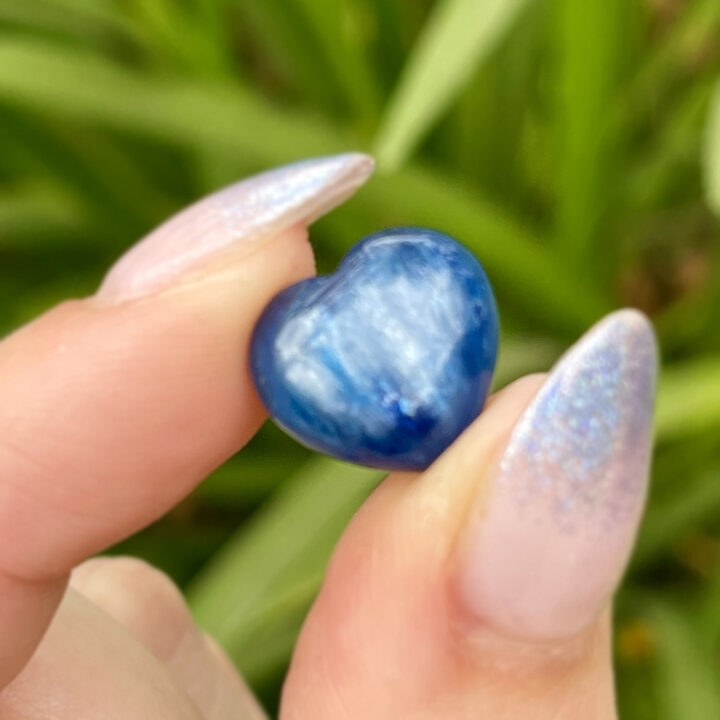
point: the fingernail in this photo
(548, 542)
(246, 212)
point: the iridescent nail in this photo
(548, 542)
(247, 212)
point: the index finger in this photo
(114, 407)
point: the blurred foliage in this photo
(574, 145)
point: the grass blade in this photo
(689, 399)
(69, 15)
(710, 617)
(189, 37)
(711, 154)
(456, 38)
(492, 121)
(39, 214)
(590, 41)
(343, 56)
(284, 36)
(696, 501)
(687, 686)
(278, 557)
(215, 117)
(111, 181)
(193, 114)
(243, 481)
(653, 179)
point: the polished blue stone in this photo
(387, 360)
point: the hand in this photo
(480, 588)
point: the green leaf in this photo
(710, 617)
(79, 16)
(342, 52)
(688, 398)
(392, 24)
(39, 213)
(489, 130)
(244, 480)
(654, 177)
(265, 576)
(289, 50)
(211, 116)
(687, 683)
(520, 356)
(194, 114)
(695, 26)
(711, 154)
(111, 182)
(190, 37)
(693, 502)
(273, 631)
(591, 40)
(456, 38)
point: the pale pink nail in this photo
(546, 547)
(258, 207)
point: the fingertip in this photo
(132, 404)
(395, 636)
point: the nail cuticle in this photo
(485, 645)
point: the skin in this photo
(154, 385)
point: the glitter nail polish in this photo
(247, 212)
(551, 537)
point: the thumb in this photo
(481, 588)
(116, 406)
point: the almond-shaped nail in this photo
(548, 542)
(246, 212)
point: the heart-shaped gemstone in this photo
(387, 360)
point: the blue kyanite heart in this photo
(387, 360)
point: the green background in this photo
(574, 145)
